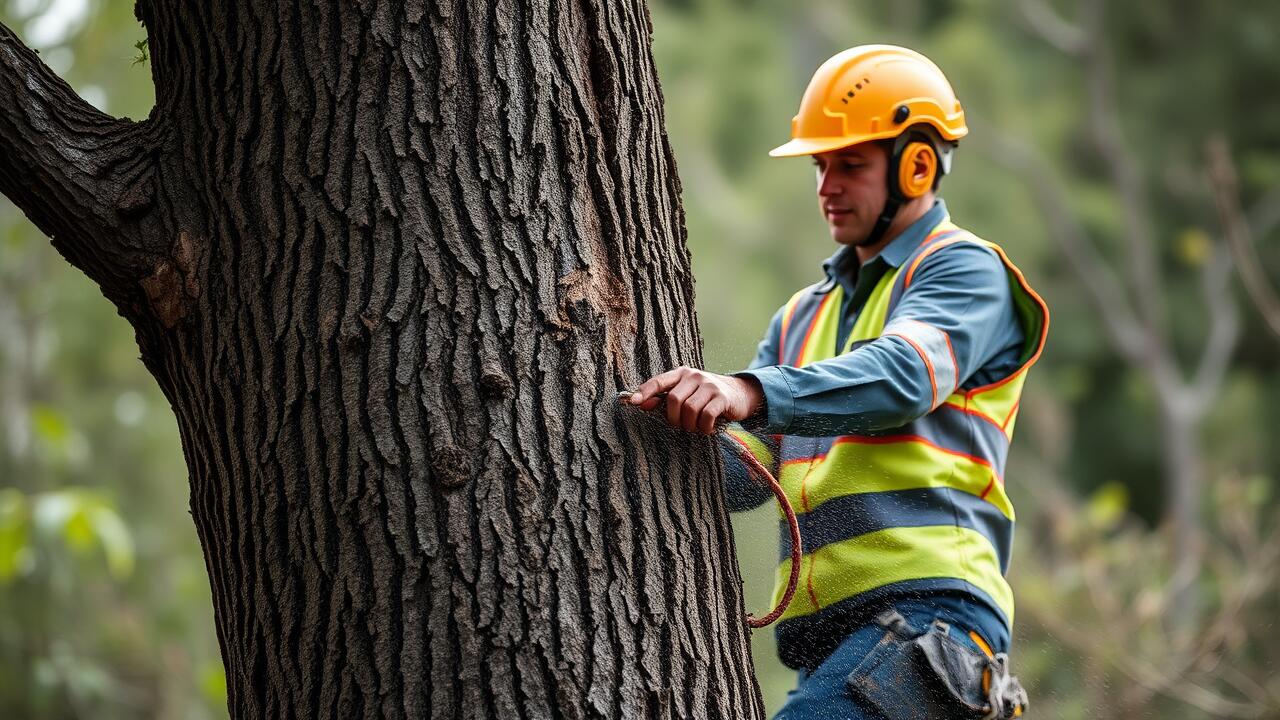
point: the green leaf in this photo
(49, 425)
(83, 519)
(1194, 247)
(1106, 507)
(15, 552)
(116, 540)
(13, 506)
(141, 47)
(78, 531)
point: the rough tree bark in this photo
(390, 263)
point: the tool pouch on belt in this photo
(912, 675)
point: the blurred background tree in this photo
(105, 599)
(1126, 155)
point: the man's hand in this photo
(697, 398)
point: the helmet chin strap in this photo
(891, 206)
(894, 200)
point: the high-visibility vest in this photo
(915, 508)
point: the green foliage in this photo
(141, 47)
(79, 518)
(106, 605)
(1106, 507)
(16, 557)
(1094, 591)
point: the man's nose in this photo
(828, 184)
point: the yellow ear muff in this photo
(911, 184)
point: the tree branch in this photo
(1104, 290)
(1041, 19)
(80, 175)
(1224, 331)
(1105, 131)
(1238, 233)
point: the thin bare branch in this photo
(1224, 332)
(1051, 27)
(1125, 169)
(1246, 685)
(1184, 671)
(1152, 680)
(1104, 289)
(1238, 233)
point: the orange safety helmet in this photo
(872, 92)
(882, 92)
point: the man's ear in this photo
(924, 166)
(916, 169)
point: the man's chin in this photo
(849, 239)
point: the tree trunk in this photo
(390, 265)
(1184, 479)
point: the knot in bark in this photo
(494, 383)
(451, 467)
(173, 285)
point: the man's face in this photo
(852, 190)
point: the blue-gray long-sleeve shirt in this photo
(962, 290)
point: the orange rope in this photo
(793, 525)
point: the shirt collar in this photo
(843, 264)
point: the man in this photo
(884, 399)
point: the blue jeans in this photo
(848, 684)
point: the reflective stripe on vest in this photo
(918, 503)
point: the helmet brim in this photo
(814, 145)
(811, 146)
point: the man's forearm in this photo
(884, 384)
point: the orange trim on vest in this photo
(928, 364)
(750, 471)
(1009, 378)
(808, 582)
(813, 323)
(928, 239)
(1013, 411)
(990, 485)
(940, 230)
(804, 502)
(1044, 327)
(786, 323)
(976, 413)
(804, 492)
(911, 271)
(1026, 287)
